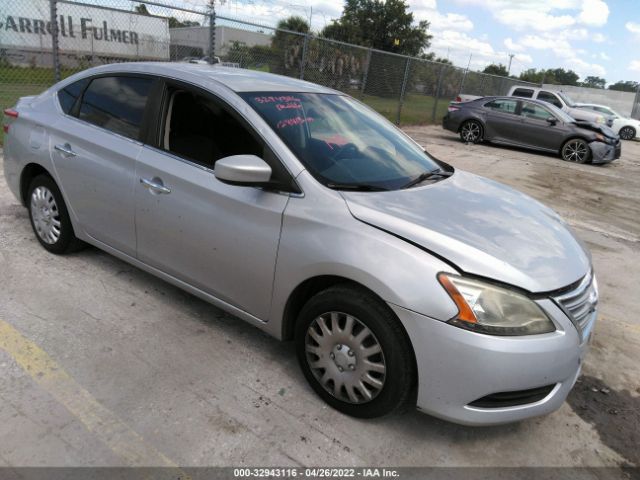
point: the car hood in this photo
(582, 114)
(482, 227)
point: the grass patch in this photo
(16, 82)
(416, 109)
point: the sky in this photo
(591, 37)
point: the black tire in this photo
(398, 379)
(471, 131)
(576, 150)
(65, 241)
(627, 133)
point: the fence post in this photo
(402, 89)
(212, 34)
(635, 108)
(435, 102)
(366, 74)
(305, 45)
(55, 50)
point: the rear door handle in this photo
(155, 186)
(66, 150)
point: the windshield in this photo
(567, 100)
(341, 142)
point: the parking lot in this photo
(103, 364)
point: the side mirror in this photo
(552, 121)
(245, 170)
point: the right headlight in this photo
(486, 308)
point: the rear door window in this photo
(116, 103)
(549, 98)
(523, 92)
(504, 106)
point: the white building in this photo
(194, 41)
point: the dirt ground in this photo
(103, 364)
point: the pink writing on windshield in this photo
(281, 98)
(285, 106)
(287, 122)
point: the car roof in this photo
(237, 79)
(515, 97)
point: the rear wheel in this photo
(576, 150)
(354, 353)
(627, 133)
(49, 216)
(471, 131)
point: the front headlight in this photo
(485, 308)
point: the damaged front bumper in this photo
(604, 153)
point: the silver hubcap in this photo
(470, 132)
(45, 215)
(345, 357)
(627, 133)
(575, 151)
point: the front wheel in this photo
(627, 133)
(576, 150)
(471, 132)
(49, 217)
(354, 352)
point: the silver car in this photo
(298, 209)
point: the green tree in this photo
(498, 69)
(384, 25)
(532, 75)
(431, 56)
(564, 77)
(625, 86)
(287, 47)
(141, 9)
(556, 76)
(593, 82)
(173, 21)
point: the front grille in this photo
(580, 302)
(513, 399)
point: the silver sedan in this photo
(306, 214)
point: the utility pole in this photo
(511, 55)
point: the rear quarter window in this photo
(69, 95)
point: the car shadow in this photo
(408, 422)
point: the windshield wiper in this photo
(357, 187)
(427, 176)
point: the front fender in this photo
(321, 237)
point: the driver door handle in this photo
(65, 149)
(154, 186)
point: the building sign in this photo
(84, 29)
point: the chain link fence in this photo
(42, 41)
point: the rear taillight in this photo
(11, 113)
(458, 99)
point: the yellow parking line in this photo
(112, 431)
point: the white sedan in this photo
(627, 128)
